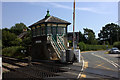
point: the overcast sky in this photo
(92, 15)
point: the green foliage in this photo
(14, 51)
(90, 36)
(110, 33)
(87, 47)
(70, 41)
(0, 47)
(8, 38)
(107, 43)
(26, 41)
(16, 42)
(96, 47)
(82, 46)
(117, 44)
(82, 37)
(18, 28)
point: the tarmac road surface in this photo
(98, 65)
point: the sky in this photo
(91, 15)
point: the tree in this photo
(82, 37)
(18, 28)
(90, 36)
(116, 44)
(82, 46)
(16, 42)
(109, 33)
(7, 38)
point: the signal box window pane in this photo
(48, 30)
(33, 31)
(38, 31)
(42, 30)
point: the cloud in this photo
(89, 9)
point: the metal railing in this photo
(60, 42)
(55, 46)
(58, 45)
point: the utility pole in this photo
(73, 25)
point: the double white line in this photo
(111, 62)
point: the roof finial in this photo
(47, 15)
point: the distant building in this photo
(70, 36)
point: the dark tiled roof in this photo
(51, 19)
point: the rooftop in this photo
(50, 19)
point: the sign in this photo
(38, 41)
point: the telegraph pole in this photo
(73, 25)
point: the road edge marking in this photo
(79, 75)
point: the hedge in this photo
(117, 44)
(14, 51)
(96, 47)
(87, 47)
(82, 46)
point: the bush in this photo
(96, 47)
(82, 46)
(87, 47)
(117, 44)
(14, 51)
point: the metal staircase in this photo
(22, 34)
(58, 46)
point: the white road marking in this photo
(81, 69)
(111, 62)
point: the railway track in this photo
(39, 70)
(46, 70)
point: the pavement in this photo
(72, 71)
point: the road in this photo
(98, 65)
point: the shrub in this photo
(14, 51)
(117, 44)
(96, 47)
(82, 46)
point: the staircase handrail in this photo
(62, 43)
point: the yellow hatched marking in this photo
(106, 68)
(83, 76)
(99, 65)
(85, 64)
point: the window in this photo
(48, 30)
(33, 31)
(38, 30)
(64, 30)
(42, 30)
(61, 30)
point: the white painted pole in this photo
(79, 56)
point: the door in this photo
(54, 33)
